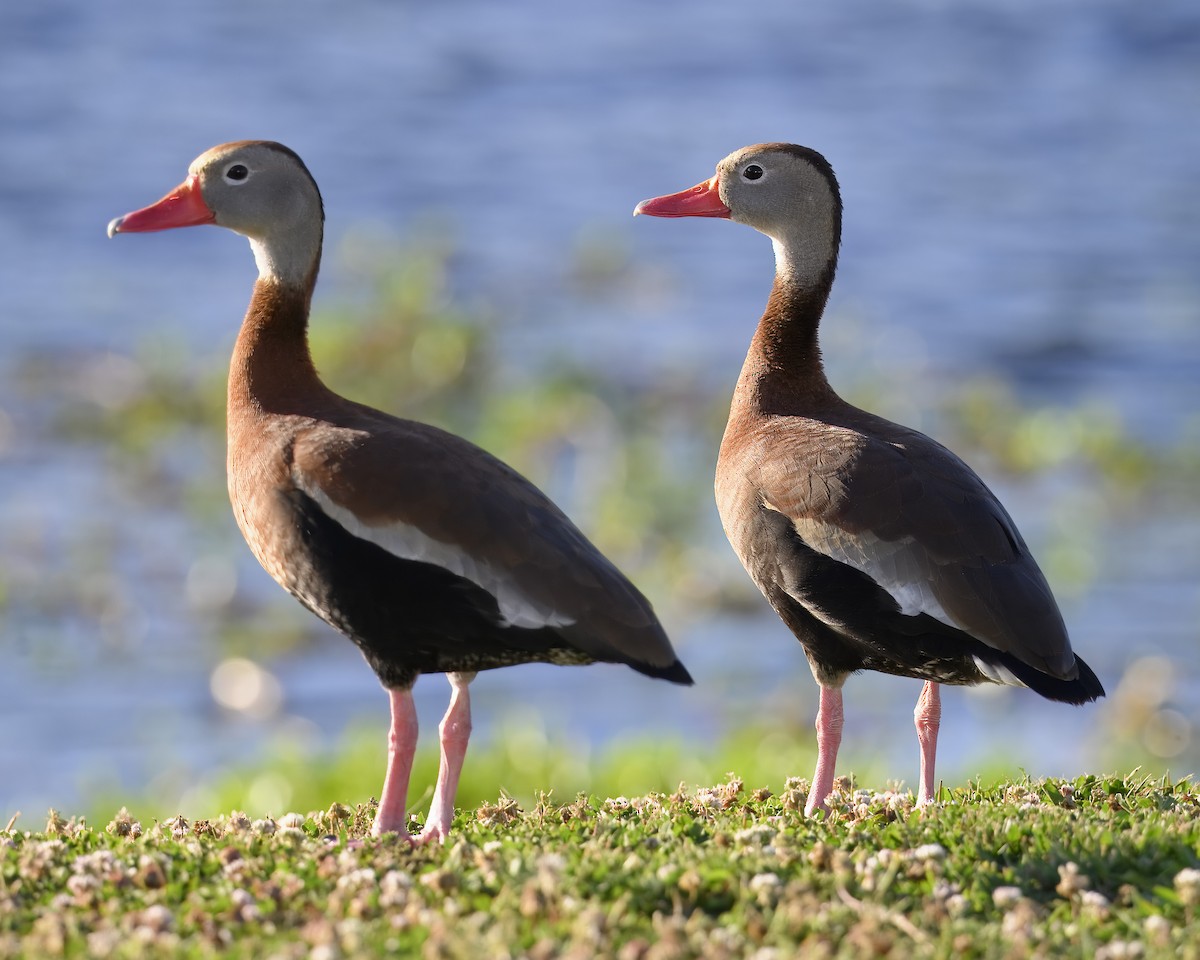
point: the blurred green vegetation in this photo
(517, 759)
(522, 757)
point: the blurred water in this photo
(1021, 198)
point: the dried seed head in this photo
(1071, 881)
(1187, 885)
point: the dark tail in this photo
(676, 672)
(1083, 689)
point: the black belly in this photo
(407, 616)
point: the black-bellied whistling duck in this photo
(878, 547)
(429, 553)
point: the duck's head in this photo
(785, 191)
(257, 188)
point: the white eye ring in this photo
(753, 171)
(236, 174)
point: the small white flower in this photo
(243, 901)
(930, 851)
(1120, 950)
(756, 835)
(394, 888)
(356, 879)
(765, 882)
(1158, 930)
(156, 918)
(1095, 904)
(79, 883)
(1005, 897)
(1187, 884)
(551, 864)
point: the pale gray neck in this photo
(803, 256)
(287, 259)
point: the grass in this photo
(1098, 867)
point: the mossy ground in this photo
(1103, 867)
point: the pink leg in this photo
(391, 816)
(829, 738)
(455, 731)
(928, 718)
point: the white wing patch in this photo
(998, 674)
(409, 543)
(890, 564)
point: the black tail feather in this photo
(675, 672)
(1083, 689)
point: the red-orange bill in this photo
(182, 207)
(702, 200)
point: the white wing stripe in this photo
(888, 563)
(998, 674)
(409, 543)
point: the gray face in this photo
(789, 193)
(263, 191)
(777, 191)
(257, 189)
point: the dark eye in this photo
(237, 172)
(753, 172)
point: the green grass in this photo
(1101, 867)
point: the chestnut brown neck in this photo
(783, 373)
(272, 370)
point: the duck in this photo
(430, 554)
(878, 547)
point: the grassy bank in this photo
(1102, 867)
